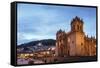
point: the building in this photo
(75, 42)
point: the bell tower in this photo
(77, 25)
(77, 36)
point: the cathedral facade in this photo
(75, 42)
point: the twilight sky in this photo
(36, 22)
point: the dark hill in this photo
(45, 42)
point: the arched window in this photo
(78, 27)
(73, 27)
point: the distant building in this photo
(75, 42)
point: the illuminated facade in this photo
(75, 42)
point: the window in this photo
(78, 27)
(81, 44)
(72, 42)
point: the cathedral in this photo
(75, 42)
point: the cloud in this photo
(43, 21)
